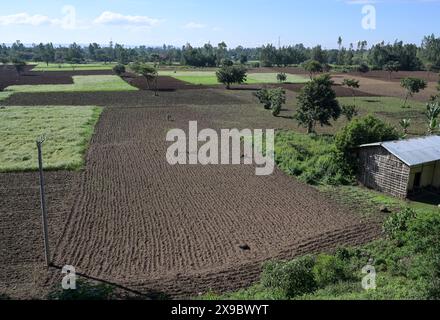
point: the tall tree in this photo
(317, 104)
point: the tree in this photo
(243, 59)
(119, 69)
(231, 74)
(405, 124)
(392, 66)
(432, 114)
(263, 96)
(363, 68)
(349, 111)
(312, 67)
(149, 73)
(340, 43)
(227, 62)
(317, 103)
(19, 65)
(281, 77)
(352, 84)
(277, 98)
(412, 86)
(362, 131)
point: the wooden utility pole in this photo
(43, 202)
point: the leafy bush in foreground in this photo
(293, 278)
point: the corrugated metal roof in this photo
(413, 152)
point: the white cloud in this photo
(24, 18)
(194, 25)
(112, 18)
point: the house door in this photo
(418, 180)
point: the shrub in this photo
(329, 270)
(281, 77)
(363, 68)
(263, 96)
(349, 111)
(119, 69)
(277, 98)
(361, 131)
(293, 277)
(398, 223)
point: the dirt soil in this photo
(133, 220)
(9, 76)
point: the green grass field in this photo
(383, 104)
(42, 66)
(209, 77)
(81, 84)
(67, 129)
(4, 95)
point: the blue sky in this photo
(245, 22)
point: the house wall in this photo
(382, 171)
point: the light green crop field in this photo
(68, 131)
(81, 84)
(209, 77)
(384, 104)
(42, 66)
(4, 95)
(272, 78)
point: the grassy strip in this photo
(209, 77)
(42, 66)
(68, 131)
(4, 95)
(81, 84)
(383, 104)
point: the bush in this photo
(363, 68)
(119, 69)
(84, 291)
(263, 96)
(362, 131)
(330, 270)
(293, 278)
(277, 98)
(398, 223)
(281, 77)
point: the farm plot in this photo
(68, 131)
(142, 223)
(80, 84)
(209, 77)
(42, 66)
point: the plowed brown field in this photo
(132, 219)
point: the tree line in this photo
(398, 54)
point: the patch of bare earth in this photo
(133, 220)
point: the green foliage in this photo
(412, 86)
(405, 124)
(313, 67)
(281, 77)
(397, 223)
(317, 103)
(231, 74)
(264, 97)
(349, 111)
(362, 131)
(392, 66)
(119, 69)
(272, 99)
(85, 290)
(312, 159)
(432, 114)
(363, 68)
(351, 83)
(329, 270)
(227, 63)
(277, 98)
(293, 278)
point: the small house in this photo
(402, 167)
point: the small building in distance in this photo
(400, 168)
